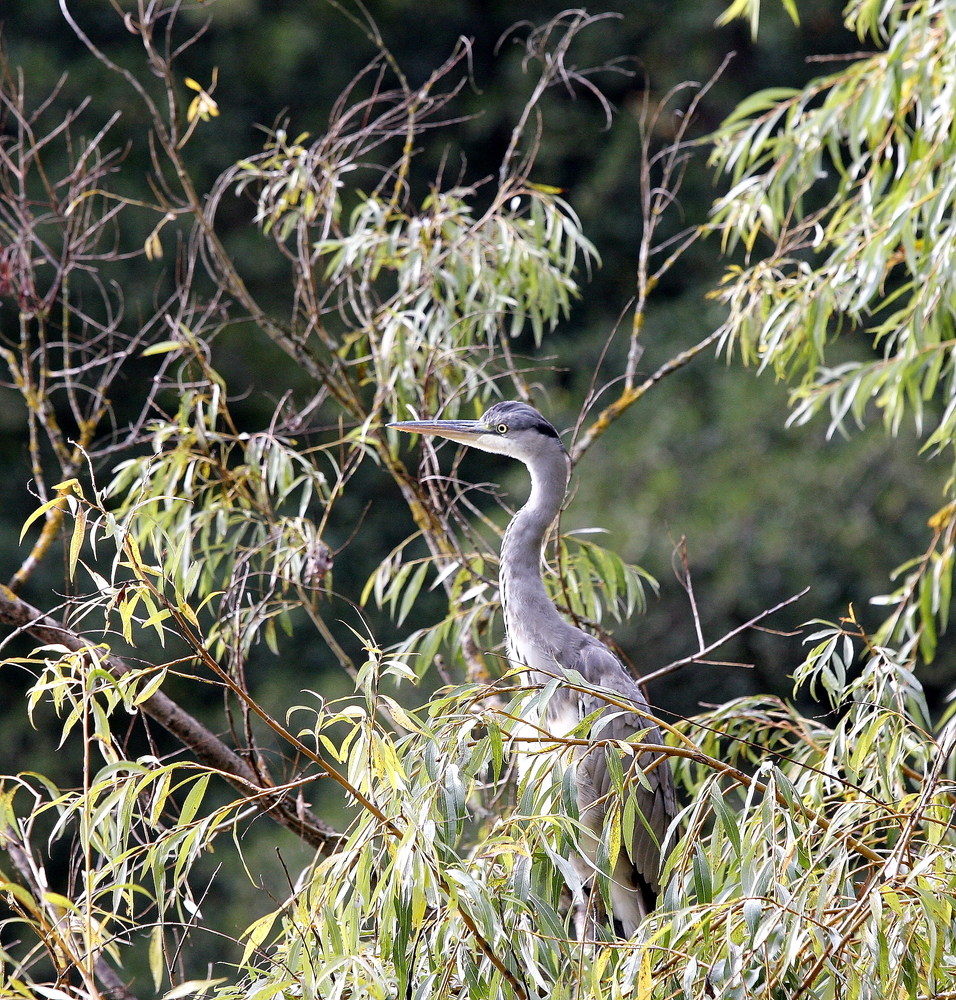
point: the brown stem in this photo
(629, 397)
(207, 747)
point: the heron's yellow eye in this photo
(502, 428)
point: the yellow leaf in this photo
(157, 965)
(644, 983)
(202, 106)
(187, 612)
(150, 689)
(256, 933)
(39, 512)
(153, 246)
(132, 547)
(401, 716)
(156, 618)
(126, 609)
(62, 902)
(69, 486)
(163, 347)
(76, 542)
(942, 517)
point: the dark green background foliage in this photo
(706, 455)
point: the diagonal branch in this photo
(705, 651)
(193, 735)
(629, 397)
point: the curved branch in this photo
(193, 735)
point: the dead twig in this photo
(704, 651)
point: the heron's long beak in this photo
(454, 430)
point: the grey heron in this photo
(542, 645)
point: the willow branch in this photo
(629, 397)
(207, 747)
(690, 751)
(18, 851)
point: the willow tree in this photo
(811, 859)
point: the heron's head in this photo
(507, 428)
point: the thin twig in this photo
(703, 652)
(682, 572)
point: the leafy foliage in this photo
(849, 180)
(813, 857)
(212, 505)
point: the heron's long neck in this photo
(530, 616)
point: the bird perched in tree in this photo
(543, 645)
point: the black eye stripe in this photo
(511, 416)
(547, 430)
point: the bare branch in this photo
(682, 572)
(705, 651)
(549, 45)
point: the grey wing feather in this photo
(657, 803)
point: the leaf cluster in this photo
(852, 301)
